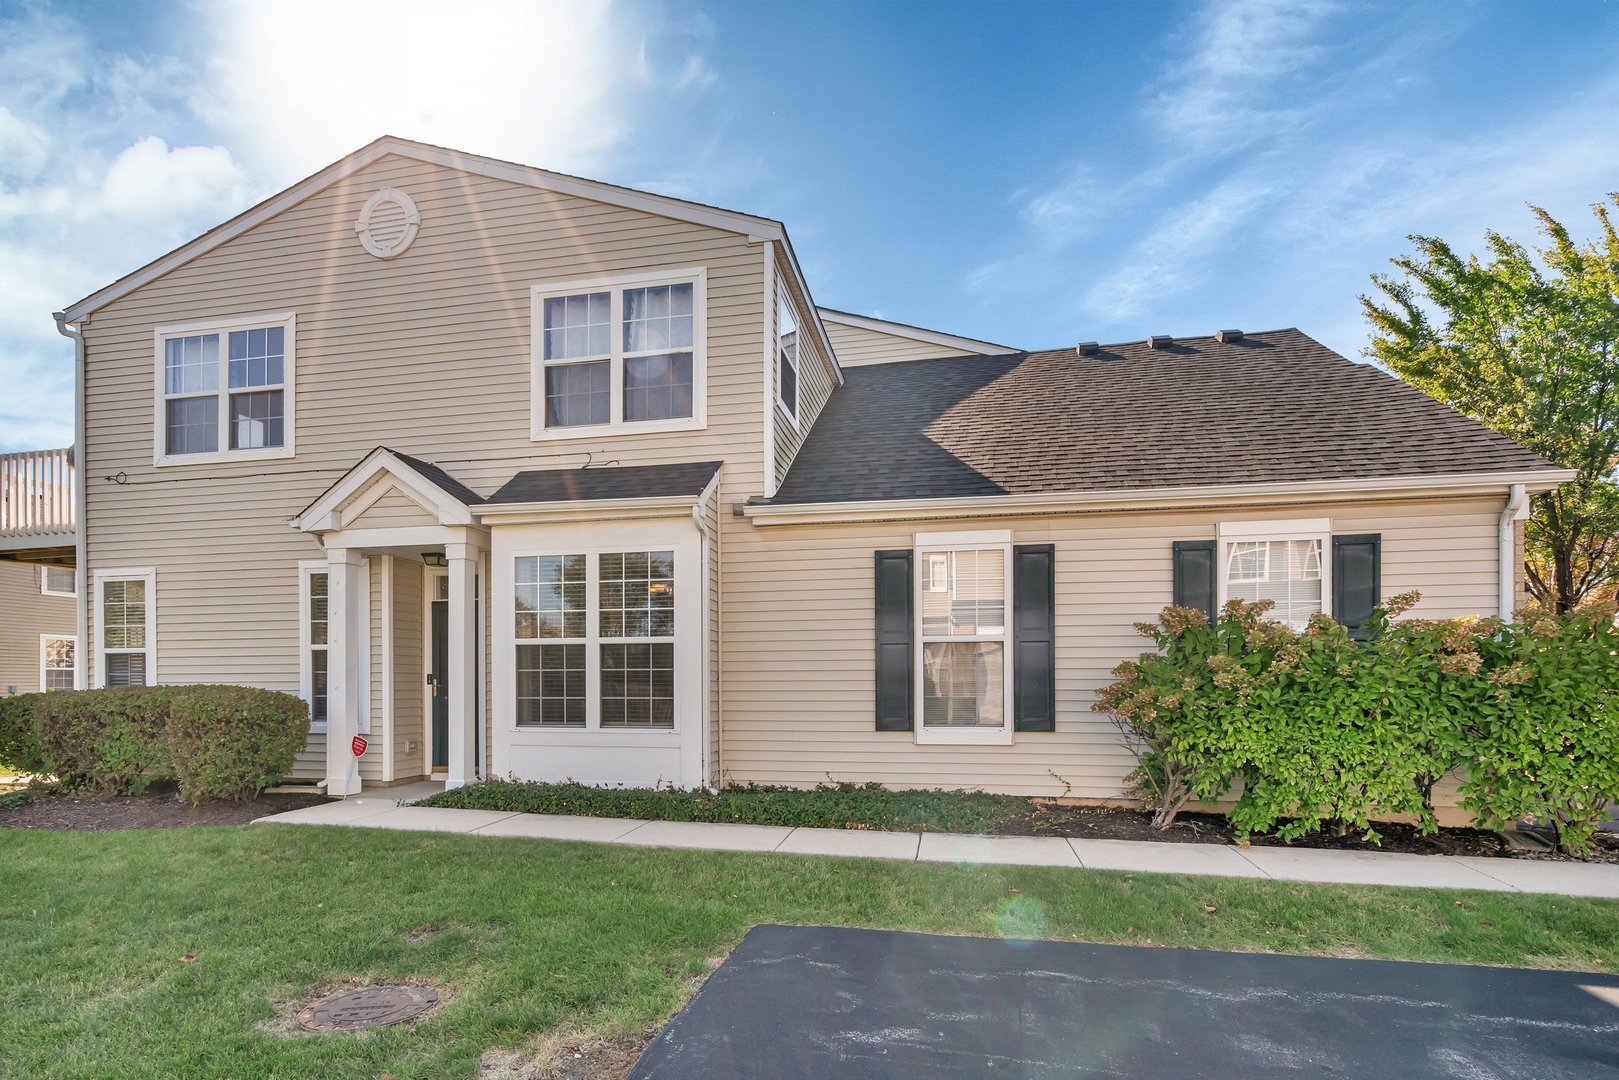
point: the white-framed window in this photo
(313, 621)
(225, 389)
(1282, 561)
(594, 640)
(126, 627)
(56, 653)
(963, 628)
(786, 353)
(57, 581)
(623, 353)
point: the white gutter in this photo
(1516, 509)
(1429, 486)
(81, 572)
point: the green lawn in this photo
(532, 938)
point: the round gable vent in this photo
(388, 223)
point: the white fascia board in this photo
(327, 512)
(594, 510)
(662, 205)
(915, 333)
(1430, 486)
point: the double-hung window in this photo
(126, 616)
(619, 354)
(964, 663)
(225, 390)
(786, 353)
(56, 661)
(1282, 561)
(594, 638)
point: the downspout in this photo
(1516, 509)
(81, 572)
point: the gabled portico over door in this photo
(390, 504)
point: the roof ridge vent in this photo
(1226, 337)
(1087, 348)
(1160, 341)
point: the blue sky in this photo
(1031, 174)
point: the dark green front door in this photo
(439, 677)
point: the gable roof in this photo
(753, 226)
(1272, 407)
(914, 333)
(424, 483)
(603, 482)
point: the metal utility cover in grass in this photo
(375, 1006)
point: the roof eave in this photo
(1208, 495)
(519, 513)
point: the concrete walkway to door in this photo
(384, 810)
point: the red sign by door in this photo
(358, 745)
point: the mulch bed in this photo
(1124, 823)
(157, 809)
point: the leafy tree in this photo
(1526, 342)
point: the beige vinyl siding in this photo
(393, 511)
(814, 377)
(798, 645)
(28, 614)
(410, 671)
(857, 346)
(428, 352)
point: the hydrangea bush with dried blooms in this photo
(1317, 729)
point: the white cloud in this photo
(297, 84)
(150, 181)
(23, 146)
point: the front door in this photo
(438, 676)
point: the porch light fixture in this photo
(435, 558)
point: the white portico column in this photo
(463, 663)
(345, 608)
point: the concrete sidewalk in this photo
(1219, 860)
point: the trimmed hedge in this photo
(19, 737)
(829, 806)
(214, 741)
(1321, 730)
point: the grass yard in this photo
(182, 953)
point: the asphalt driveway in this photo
(828, 1002)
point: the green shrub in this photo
(19, 734)
(1323, 730)
(1547, 746)
(106, 741)
(231, 742)
(828, 806)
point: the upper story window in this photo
(786, 353)
(620, 354)
(225, 390)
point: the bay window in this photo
(224, 390)
(623, 353)
(593, 635)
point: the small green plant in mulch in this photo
(829, 806)
(16, 800)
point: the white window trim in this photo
(1231, 532)
(932, 543)
(149, 576)
(45, 582)
(592, 641)
(785, 299)
(306, 670)
(696, 277)
(44, 643)
(286, 319)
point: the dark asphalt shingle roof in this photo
(1274, 406)
(607, 482)
(438, 476)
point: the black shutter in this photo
(895, 673)
(1357, 579)
(1194, 585)
(1034, 656)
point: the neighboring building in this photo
(38, 612)
(523, 474)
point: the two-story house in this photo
(516, 473)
